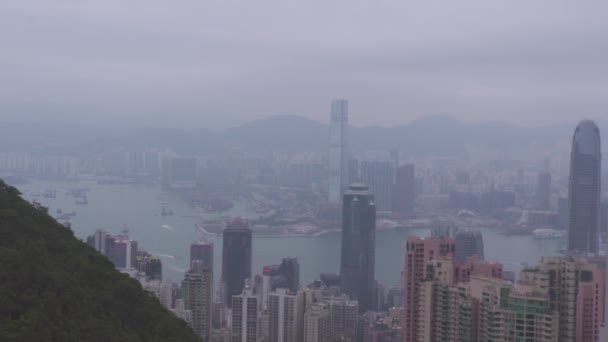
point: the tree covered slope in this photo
(54, 287)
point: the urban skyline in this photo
(288, 171)
(271, 303)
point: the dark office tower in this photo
(358, 245)
(154, 269)
(379, 176)
(468, 243)
(544, 191)
(584, 189)
(286, 275)
(236, 258)
(404, 190)
(202, 250)
(290, 267)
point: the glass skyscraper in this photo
(584, 189)
(357, 268)
(236, 258)
(338, 150)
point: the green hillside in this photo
(54, 287)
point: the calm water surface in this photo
(111, 207)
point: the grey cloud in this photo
(218, 63)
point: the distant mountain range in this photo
(435, 135)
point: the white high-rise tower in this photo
(338, 150)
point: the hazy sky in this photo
(219, 63)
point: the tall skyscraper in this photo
(245, 316)
(236, 258)
(338, 150)
(202, 250)
(419, 252)
(378, 175)
(584, 189)
(468, 243)
(283, 316)
(404, 192)
(357, 267)
(197, 295)
(544, 191)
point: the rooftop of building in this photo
(358, 188)
(237, 223)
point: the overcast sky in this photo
(220, 63)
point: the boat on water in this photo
(548, 233)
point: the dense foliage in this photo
(54, 287)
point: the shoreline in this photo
(255, 234)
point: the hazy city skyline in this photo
(303, 171)
(218, 65)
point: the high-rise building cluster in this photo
(449, 290)
(560, 299)
(119, 249)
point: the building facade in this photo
(283, 316)
(419, 252)
(482, 308)
(468, 243)
(202, 250)
(197, 297)
(316, 323)
(338, 150)
(575, 284)
(404, 192)
(102, 242)
(357, 266)
(343, 318)
(245, 316)
(378, 175)
(125, 252)
(584, 189)
(236, 258)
